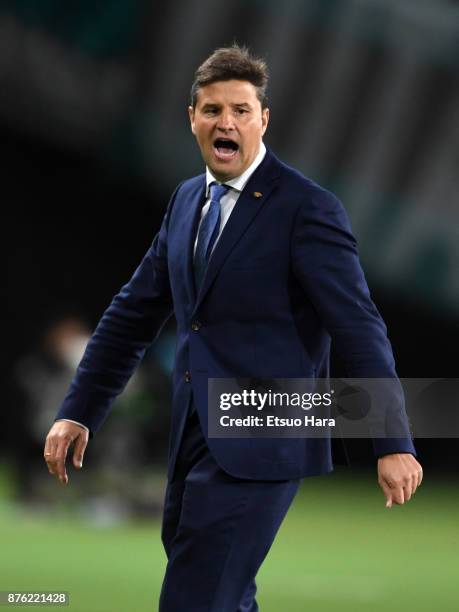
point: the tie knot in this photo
(217, 191)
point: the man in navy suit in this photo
(260, 268)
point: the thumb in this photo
(78, 451)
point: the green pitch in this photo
(339, 549)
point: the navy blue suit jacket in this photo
(283, 282)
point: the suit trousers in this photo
(216, 530)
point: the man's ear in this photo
(191, 116)
(264, 120)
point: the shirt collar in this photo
(239, 182)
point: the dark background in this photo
(94, 138)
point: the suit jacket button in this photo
(195, 326)
(187, 376)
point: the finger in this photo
(409, 486)
(47, 451)
(416, 482)
(407, 492)
(60, 457)
(50, 446)
(417, 472)
(387, 493)
(48, 454)
(398, 495)
(78, 450)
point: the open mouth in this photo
(225, 148)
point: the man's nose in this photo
(225, 121)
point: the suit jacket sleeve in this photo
(128, 326)
(325, 261)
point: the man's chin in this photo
(224, 168)
(224, 171)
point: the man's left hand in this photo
(399, 475)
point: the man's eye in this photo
(211, 111)
(241, 111)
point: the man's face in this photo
(228, 123)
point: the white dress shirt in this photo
(76, 423)
(227, 203)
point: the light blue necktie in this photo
(208, 232)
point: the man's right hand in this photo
(61, 435)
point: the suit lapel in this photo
(191, 217)
(249, 203)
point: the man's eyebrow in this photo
(210, 105)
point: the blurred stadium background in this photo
(94, 137)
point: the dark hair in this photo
(228, 63)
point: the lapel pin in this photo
(257, 194)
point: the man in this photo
(260, 268)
